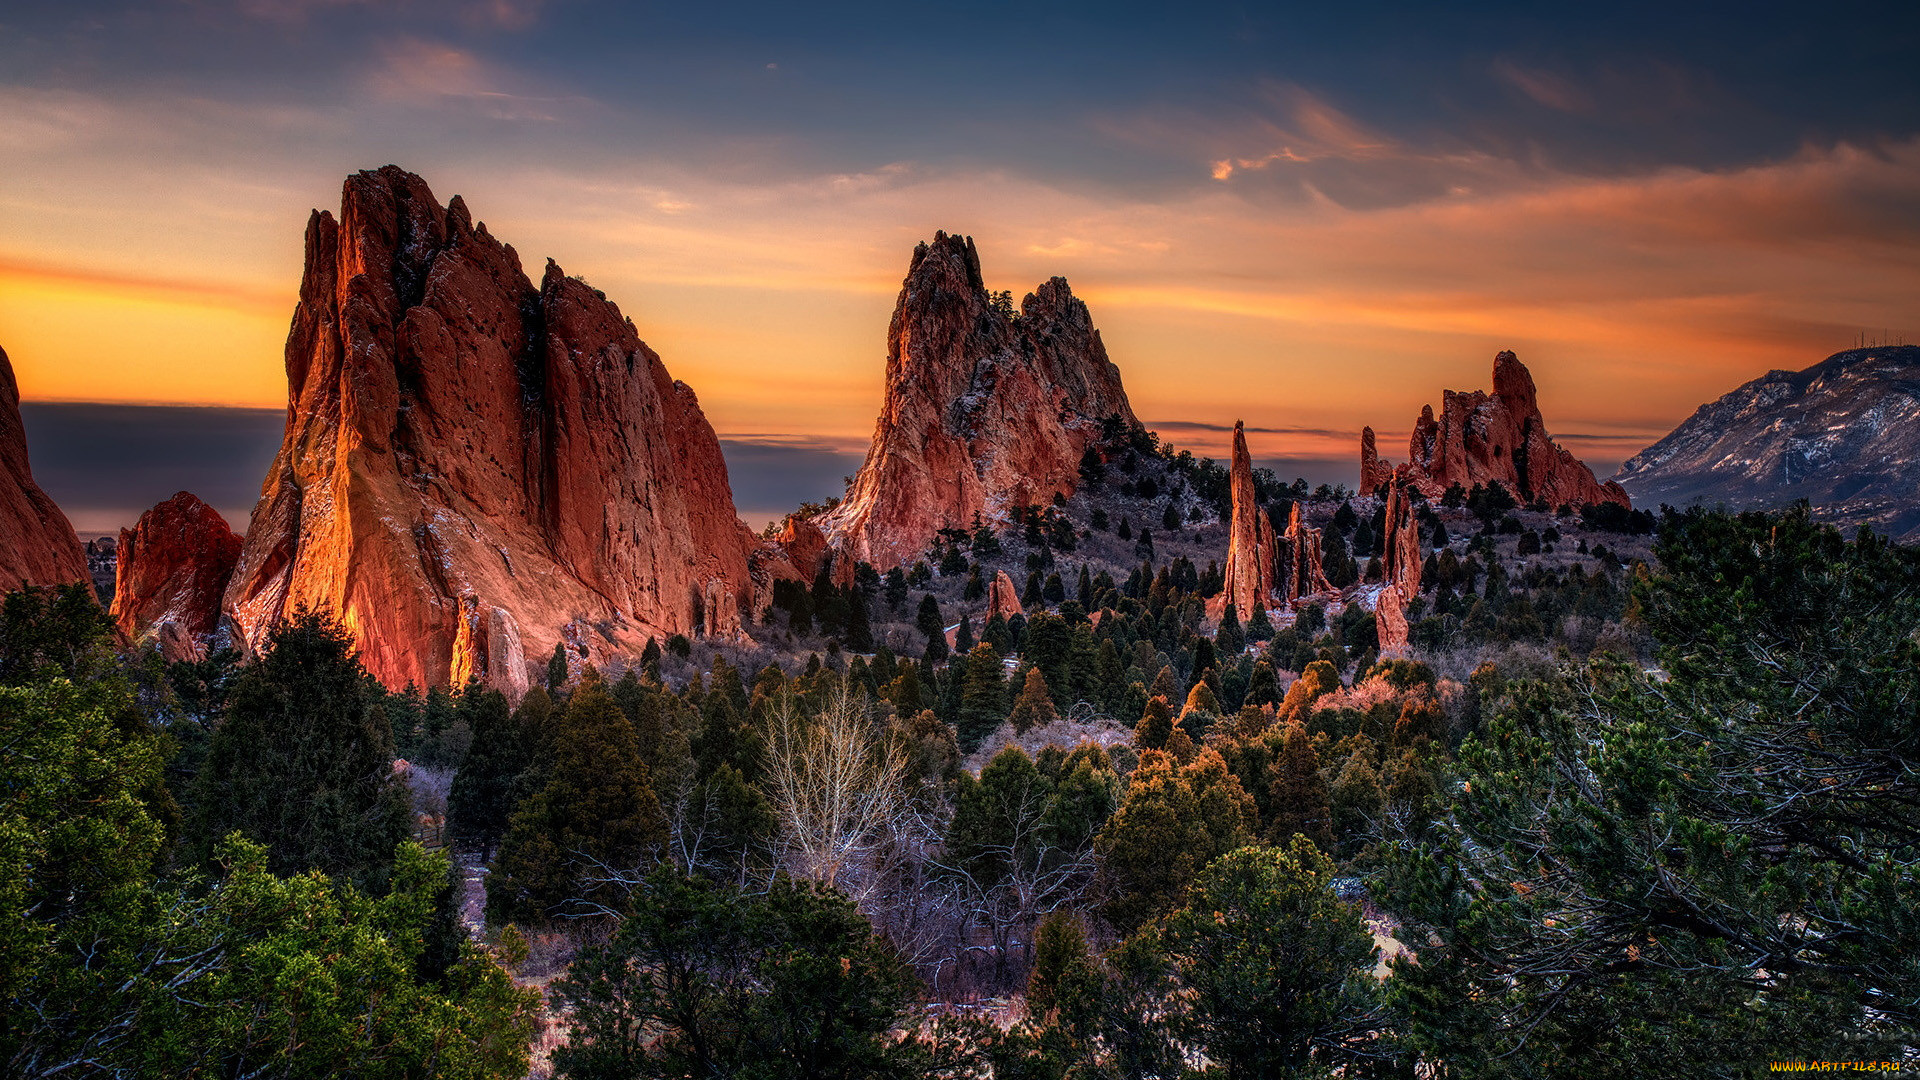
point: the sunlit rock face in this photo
(1482, 438)
(37, 543)
(1400, 565)
(170, 574)
(1250, 540)
(986, 408)
(475, 468)
(1003, 598)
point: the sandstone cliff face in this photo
(1481, 438)
(171, 571)
(984, 410)
(37, 543)
(474, 468)
(1250, 547)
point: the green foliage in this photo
(1173, 821)
(1275, 968)
(595, 823)
(708, 981)
(1698, 874)
(983, 697)
(302, 763)
(487, 786)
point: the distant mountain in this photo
(1844, 435)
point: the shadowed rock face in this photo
(1482, 438)
(475, 468)
(37, 543)
(1843, 434)
(984, 410)
(171, 572)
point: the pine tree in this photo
(557, 669)
(484, 790)
(302, 763)
(1230, 640)
(1299, 796)
(982, 697)
(1034, 707)
(1155, 725)
(596, 817)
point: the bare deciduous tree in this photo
(836, 787)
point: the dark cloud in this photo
(106, 464)
(1201, 425)
(770, 479)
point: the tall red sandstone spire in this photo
(475, 468)
(37, 544)
(1250, 547)
(985, 409)
(1400, 565)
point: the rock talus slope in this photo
(985, 408)
(37, 543)
(475, 468)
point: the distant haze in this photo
(106, 464)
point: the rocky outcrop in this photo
(1400, 569)
(103, 559)
(986, 408)
(1483, 438)
(37, 543)
(1843, 434)
(1373, 471)
(475, 468)
(1302, 572)
(1250, 547)
(172, 571)
(1003, 598)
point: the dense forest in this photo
(1610, 818)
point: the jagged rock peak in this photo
(1500, 437)
(475, 469)
(986, 407)
(171, 570)
(37, 543)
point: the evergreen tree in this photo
(1299, 795)
(1230, 640)
(484, 790)
(1155, 726)
(929, 620)
(1274, 967)
(707, 980)
(982, 697)
(1034, 707)
(557, 669)
(597, 817)
(303, 762)
(1165, 831)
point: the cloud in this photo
(106, 464)
(1544, 88)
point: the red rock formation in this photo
(1373, 471)
(1302, 573)
(1482, 438)
(171, 572)
(1400, 564)
(37, 544)
(1250, 547)
(474, 468)
(985, 410)
(1003, 598)
(804, 546)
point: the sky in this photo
(1307, 217)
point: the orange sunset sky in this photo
(1262, 233)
